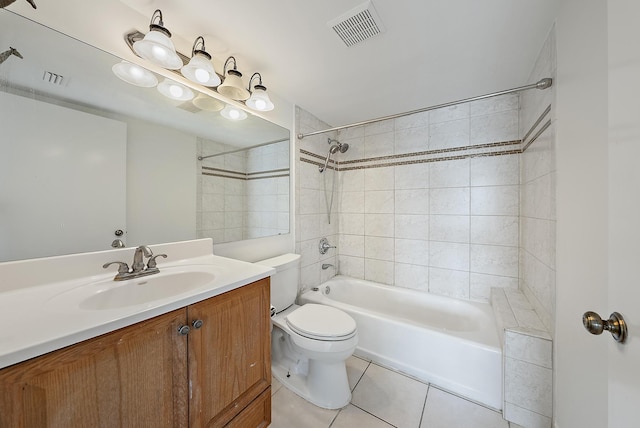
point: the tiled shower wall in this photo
(242, 195)
(538, 189)
(446, 224)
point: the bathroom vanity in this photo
(198, 358)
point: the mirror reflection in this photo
(85, 155)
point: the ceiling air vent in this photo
(53, 78)
(359, 24)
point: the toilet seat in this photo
(321, 322)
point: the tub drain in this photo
(327, 290)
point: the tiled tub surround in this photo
(311, 214)
(428, 201)
(243, 194)
(527, 360)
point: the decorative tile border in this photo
(500, 148)
(238, 175)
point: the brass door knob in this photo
(615, 325)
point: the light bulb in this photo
(261, 105)
(202, 75)
(176, 91)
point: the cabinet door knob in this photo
(183, 330)
(197, 324)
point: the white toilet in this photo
(309, 343)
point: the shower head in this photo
(335, 147)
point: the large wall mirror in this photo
(85, 155)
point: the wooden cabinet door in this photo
(230, 355)
(132, 377)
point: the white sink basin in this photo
(110, 294)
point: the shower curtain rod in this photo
(243, 149)
(541, 84)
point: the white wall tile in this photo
(379, 145)
(379, 178)
(351, 266)
(446, 282)
(412, 121)
(495, 230)
(350, 181)
(352, 224)
(491, 128)
(529, 349)
(411, 226)
(379, 271)
(494, 260)
(525, 418)
(449, 228)
(412, 140)
(495, 170)
(412, 251)
(445, 114)
(494, 105)
(412, 201)
(528, 386)
(449, 255)
(411, 276)
(480, 285)
(449, 174)
(412, 176)
(349, 245)
(352, 202)
(378, 202)
(450, 134)
(495, 200)
(454, 201)
(379, 225)
(382, 127)
(379, 248)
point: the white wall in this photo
(582, 218)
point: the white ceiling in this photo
(433, 51)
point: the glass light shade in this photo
(232, 86)
(233, 113)
(175, 90)
(201, 71)
(260, 99)
(134, 74)
(205, 102)
(158, 48)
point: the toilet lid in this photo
(321, 322)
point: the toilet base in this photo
(325, 387)
(323, 383)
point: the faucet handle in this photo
(151, 263)
(122, 267)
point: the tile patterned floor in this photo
(383, 399)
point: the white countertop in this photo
(40, 318)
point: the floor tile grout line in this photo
(362, 375)
(377, 417)
(424, 406)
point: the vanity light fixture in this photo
(175, 90)
(232, 86)
(134, 74)
(157, 47)
(233, 113)
(200, 69)
(259, 98)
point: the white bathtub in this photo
(447, 342)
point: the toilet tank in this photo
(284, 283)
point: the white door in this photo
(624, 210)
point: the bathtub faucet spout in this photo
(326, 266)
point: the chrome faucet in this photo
(138, 258)
(326, 266)
(324, 246)
(138, 267)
